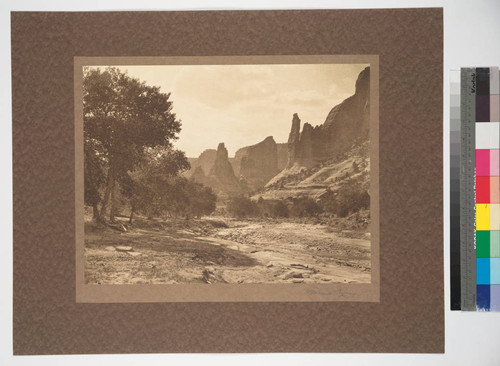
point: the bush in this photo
(272, 208)
(241, 206)
(280, 209)
(201, 199)
(305, 207)
(348, 199)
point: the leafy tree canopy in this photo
(125, 121)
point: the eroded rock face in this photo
(282, 155)
(205, 162)
(199, 176)
(306, 142)
(293, 141)
(258, 163)
(346, 123)
(222, 172)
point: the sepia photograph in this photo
(247, 173)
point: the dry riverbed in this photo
(225, 251)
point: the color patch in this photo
(483, 271)
(495, 216)
(483, 297)
(495, 271)
(483, 244)
(483, 190)
(495, 107)
(482, 216)
(482, 108)
(487, 135)
(494, 189)
(494, 162)
(495, 244)
(495, 297)
(483, 163)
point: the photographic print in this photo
(197, 181)
(246, 173)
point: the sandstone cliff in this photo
(346, 124)
(221, 177)
(205, 161)
(258, 163)
(282, 155)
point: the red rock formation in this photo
(293, 140)
(205, 161)
(346, 123)
(258, 163)
(282, 156)
(222, 173)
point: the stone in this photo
(293, 140)
(282, 151)
(124, 249)
(134, 254)
(257, 164)
(205, 162)
(346, 123)
(222, 174)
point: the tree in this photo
(241, 206)
(123, 117)
(201, 199)
(154, 187)
(305, 207)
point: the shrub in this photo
(350, 198)
(305, 207)
(272, 208)
(241, 206)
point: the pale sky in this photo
(241, 105)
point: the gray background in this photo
(471, 38)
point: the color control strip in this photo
(475, 189)
(487, 128)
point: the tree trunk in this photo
(95, 212)
(112, 211)
(131, 215)
(107, 194)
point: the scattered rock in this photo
(298, 281)
(134, 254)
(296, 265)
(293, 275)
(118, 227)
(124, 249)
(206, 276)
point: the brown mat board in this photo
(410, 314)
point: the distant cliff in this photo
(272, 164)
(257, 164)
(220, 176)
(346, 123)
(205, 162)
